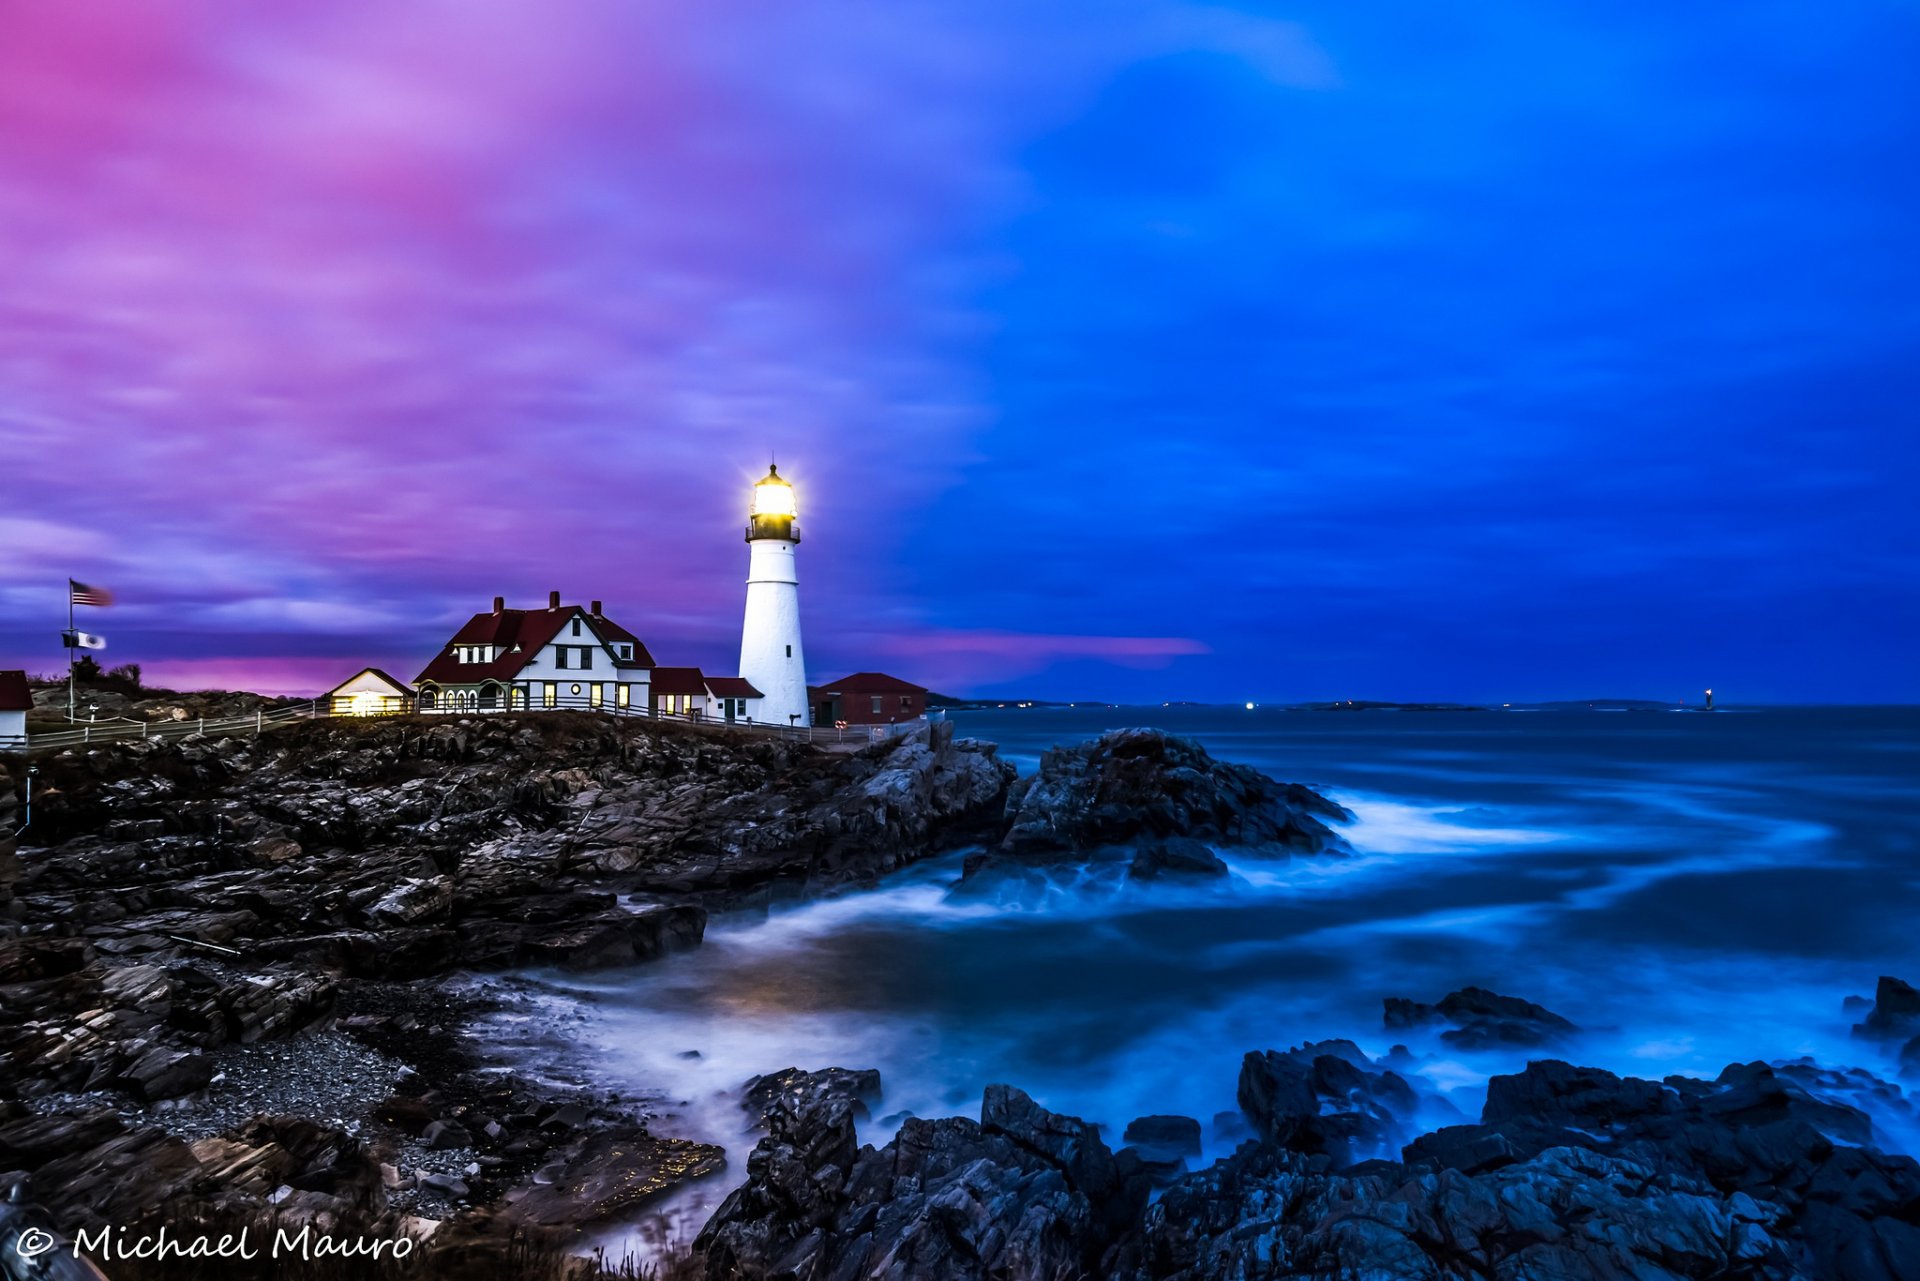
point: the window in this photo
(576, 627)
(586, 657)
(560, 653)
(595, 688)
(549, 694)
(876, 704)
(789, 651)
(626, 651)
(575, 690)
(622, 695)
(518, 697)
(906, 702)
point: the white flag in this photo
(87, 640)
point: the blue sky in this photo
(1131, 351)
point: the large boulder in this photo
(1145, 787)
(1023, 1192)
(1325, 1097)
(1176, 857)
(793, 1091)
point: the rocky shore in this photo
(232, 993)
(221, 961)
(1570, 1173)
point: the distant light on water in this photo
(1249, 706)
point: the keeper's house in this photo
(16, 700)
(560, 656)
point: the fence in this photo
(122, 729)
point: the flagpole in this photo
(70, 639)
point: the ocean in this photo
(1691, 889)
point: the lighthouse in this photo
(770, 653)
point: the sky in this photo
(1131, 350)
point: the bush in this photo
(127, 674)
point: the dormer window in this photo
(626, 651)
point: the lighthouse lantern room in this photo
(770, 653)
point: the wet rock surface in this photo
(221, 963)
(1481, 1020)
(1894, 1017)
(1161, 795)
(1571, 1173)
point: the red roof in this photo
(679, 680)
(871, 683)
(614, 633)
(14, 694)
(529, 629)
(732, 687)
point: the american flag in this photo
(85, 595)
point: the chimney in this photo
(553, 600)
(596, 609)
(499, 603)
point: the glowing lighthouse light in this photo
(773, 496)
(770, 654)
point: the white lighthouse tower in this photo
(770, 654)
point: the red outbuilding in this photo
(867, 698)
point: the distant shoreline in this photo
(944, 703)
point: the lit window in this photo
(549, 694)
(575, 690)
(596, 695)
(623, 695)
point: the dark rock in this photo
(1554, 1093)
(604, 1176)
(1137, 785)
(1231, 1127)
(1161, 1144)
(451, 1185)
(1482, 1019)
(441, 1135)
(1176, 856)
(1324, 1097)
(1179, 1134)
(795, 1091)
(165, 1073)
(1896, 1011)
(1023, 1193)
(1470, 1149)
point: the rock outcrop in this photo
(1895, 1019)
(1023, 1192)
(406, 847)
(1159, 799)
(193, 906)
(1482, 1020)
(1571, 1173)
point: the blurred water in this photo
(1691, 889)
